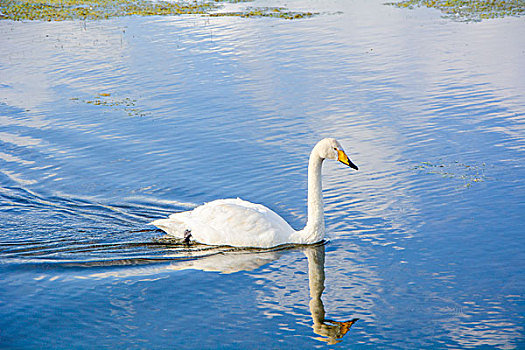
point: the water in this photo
(425, 242)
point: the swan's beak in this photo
(343, 158)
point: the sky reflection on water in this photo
(425, 241)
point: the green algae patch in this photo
(60, 10)
(274, 12)
(468, 11)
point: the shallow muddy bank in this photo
(464, 10)
(57, 10)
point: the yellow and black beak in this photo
(343, 158)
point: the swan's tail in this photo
(171, 226)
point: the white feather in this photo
(232, 221)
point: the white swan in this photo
(238, 223)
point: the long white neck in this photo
(314, 229)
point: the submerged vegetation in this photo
(469, 10)
(59, 10)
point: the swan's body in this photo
(239, 223)
(233, 222)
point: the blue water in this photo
(108, 125)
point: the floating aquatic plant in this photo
(469, 10)
(104, 99)
(470, 174)
(59, 10)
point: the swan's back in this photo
(233, 222)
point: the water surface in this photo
(108, 125)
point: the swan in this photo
(238, 223)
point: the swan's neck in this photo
(314, 229)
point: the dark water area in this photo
(108, 125)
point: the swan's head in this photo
(331, 149)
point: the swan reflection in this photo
(329, 331)
(231, 260)
(180, 257)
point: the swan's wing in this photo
(175, 225)
(237, 223)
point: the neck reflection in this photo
(329, 331)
